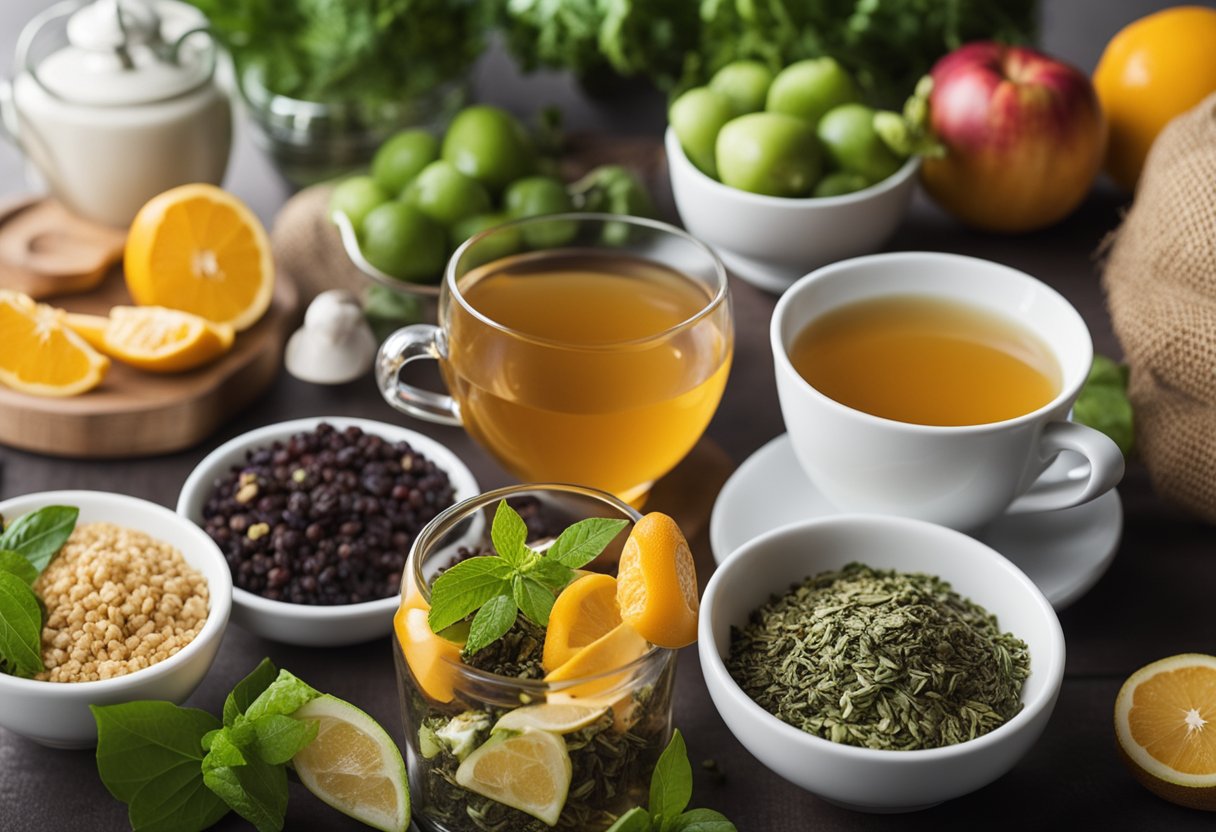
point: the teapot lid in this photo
(124, 52)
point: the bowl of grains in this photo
(881, 663)
(132, 601)
(315, 518)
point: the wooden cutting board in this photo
(134, 413)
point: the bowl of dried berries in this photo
(315, 518)
(881, 663)
(104, 599)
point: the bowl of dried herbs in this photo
(881, 663)
(528, 702)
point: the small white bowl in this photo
(866, 779)
(57, 713)
(772, 241)
(306, 624)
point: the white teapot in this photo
(128, 108)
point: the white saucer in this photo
(1064, 552)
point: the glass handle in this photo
(420, 341)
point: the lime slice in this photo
(556, 718)
(354, 766)
(529, 772)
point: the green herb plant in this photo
(1104, 405)
(181, 769)
(670, 794)
(494, 589)
(26, 547)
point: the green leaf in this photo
(223, 752)
(1103, 403)
(256, 791)
(509, 533)
(702, 820)
(581, 543)
(534, 599)
(38, 535)
(550, 573)
(279, 737)
(20, 626)
(465, 587)
(671, 783)
(15, 563)
(635, 820)
(177, 801)
(286, 695)
(248, 689)
(491, 623)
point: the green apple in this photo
(402, 157)
(848, 136)
(839, 183)
(744, 83)
(401, 241)
(810, 88)
(697, 116)
(356, 197)
(769, 153)
(445, 194)
(489, 145)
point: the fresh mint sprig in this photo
(670, 793)
(26, 547)
(494, 589)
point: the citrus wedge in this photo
(154, 338)
(657, 583)
(584, 611)
(432, 659)
(529, 772)
(617, 648)
(1165, 721)
(199, 249)
(354, 766)
(92, 328)
(41, 356)
(565, 718)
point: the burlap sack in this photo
(307, 246)
(1160, 280)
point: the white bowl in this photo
(306, 624)
(772, 241)
(861, 778)
(57, 713)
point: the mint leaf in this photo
(491, 623)
(550, 573)
(581, 543)
(636, 819)
(256, 791)
(671, 783)
(177, 801)
(286, 695)
(465, 587)
(20, 626)
(248, 689)
(533, 598)
(38, 535)
(11, 561)
(222, 751)
(702, 820)
(279, 737)
(509, 533)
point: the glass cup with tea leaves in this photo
(585, 348)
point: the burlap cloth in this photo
(1160, 280)
(308, 247)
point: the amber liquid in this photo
(584, 379)
(927, 361)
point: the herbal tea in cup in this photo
(597, 361)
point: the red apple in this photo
(1024, 137)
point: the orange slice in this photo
(584, 611)
(41, 356)
(92, 328)
(199, 249)
(431, 659)
(617, 648)
(657, 583)
(154, 338)
(1165, 721)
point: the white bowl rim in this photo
(1053, 671)
(458, 473)
(219, 604)
(675, 151)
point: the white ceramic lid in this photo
(109, 62)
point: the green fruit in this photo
(769, 153)
(537, 196)
(848, 135)
(696, 117)
(489, 145)
(401, 241)
(402, 157)
(445, 194)
(810, 88)
(744, 83)
(356, 197)
(839, 183)
(505, 240)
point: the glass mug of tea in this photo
(580, 348)
(936, 386)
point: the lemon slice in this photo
(41, 356)
(529, 772)
(354, 766)
(556, 718)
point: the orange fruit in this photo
(432, 659)
(153, 338)
(41, 356)
(1165, 721)
(657, 583)
(614, 649)
(199, 249)
(1151, 71)
(583, 612)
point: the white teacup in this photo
(959, 476)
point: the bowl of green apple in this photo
(785, 172)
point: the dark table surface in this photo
(1155, 600)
